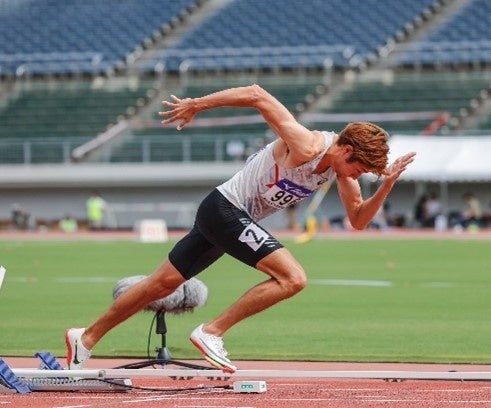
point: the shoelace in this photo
(217, 343)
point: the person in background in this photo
(381, 220)
(96, 207)
(472, 214)
(289, 169)
(68, 224)
(420, 211)
(433, 210)
(291, 218)
(20, 217)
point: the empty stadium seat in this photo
(464, 38)
(403, 102)
(90, 36)
(53, 119)
(209, 143)
(248, 34)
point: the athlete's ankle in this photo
(86, 341)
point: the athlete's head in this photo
(369, 144)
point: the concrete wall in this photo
(49, 192)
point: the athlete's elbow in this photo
(257, 90)
(358, 224)
(359, 227)
(258, 95)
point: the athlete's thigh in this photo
(232, 230)
(193, 253)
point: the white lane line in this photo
(85, 279)
(351, 282)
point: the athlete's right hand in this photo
(182, 110)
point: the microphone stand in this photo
(163, 355)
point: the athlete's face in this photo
(346, 167)
(351, 169)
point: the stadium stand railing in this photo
(247, 57)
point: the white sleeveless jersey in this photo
(262, 187)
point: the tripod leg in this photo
(163, 355)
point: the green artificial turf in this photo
(367, 300)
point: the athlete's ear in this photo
(347, 151)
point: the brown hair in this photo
(369, 144)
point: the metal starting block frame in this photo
(189, 373)
(51, 376)
(83, 384)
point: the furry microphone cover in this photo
(192, 293)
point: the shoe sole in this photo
(214, 363)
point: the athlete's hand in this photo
(400, 164)
(182, 110)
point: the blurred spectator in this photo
(235, 149)
(433, 210)
(291, 218)
(68, 224)
(420, 211)
(381, 220)
(427, 209)
(20, 217)
(472, 214)
(96, 206)
(486, 216)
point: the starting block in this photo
(11, 383)
(48, 361)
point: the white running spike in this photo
(2, 274)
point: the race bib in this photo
(284, 193)
(253, 236)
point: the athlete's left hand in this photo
(400, 164)
(182, 110)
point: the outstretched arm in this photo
(360, 212)
(301, 142)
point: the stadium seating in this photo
(209, 141)
(404, 102)
(265, 39)
(54, 118)
(464, 38)
(290, 34)
(90, 36)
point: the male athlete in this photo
(286, 171)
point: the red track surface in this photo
(284, 392)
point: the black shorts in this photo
(220, 228)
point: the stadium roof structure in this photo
(444, 158)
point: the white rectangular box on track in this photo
(249, 386)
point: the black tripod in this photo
(163, 354)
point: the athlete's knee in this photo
(286, 270)
(161, 289)
(163, 282)
(293, 282)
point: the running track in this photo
(284, 392)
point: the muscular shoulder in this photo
(294, 153)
